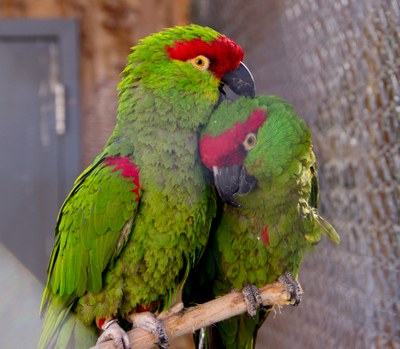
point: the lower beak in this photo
(232, 181)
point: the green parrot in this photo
(139, 216)
(260, 153)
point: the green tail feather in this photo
(329, 230)
(62, 329)
(239, 332)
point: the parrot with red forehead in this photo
(260, 153)
(137, 219)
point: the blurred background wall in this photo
(339, 63)
(108, 29)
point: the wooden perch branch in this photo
(179, 321)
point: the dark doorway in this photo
(39, 133)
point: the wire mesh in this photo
(339, 64)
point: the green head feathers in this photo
(184, 68)
(262, 143)
(260, 133)
(254, 140)
(164, 63)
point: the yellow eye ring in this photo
(200, 62)
(250, 141)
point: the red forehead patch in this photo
(227, 148)
(224, 54)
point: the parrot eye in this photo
(200, 62)
(250, 141)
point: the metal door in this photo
(39, 133)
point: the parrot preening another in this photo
(260, 153)
(139, 216)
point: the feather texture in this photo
(278, 222)
(139, 215)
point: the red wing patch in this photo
(128, 168)
(264, 236)
(143, 308)
(100, 323)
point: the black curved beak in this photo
(232, 181)
(240, 81)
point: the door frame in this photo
(66, 33)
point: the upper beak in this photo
(240, 81)
(232, 181)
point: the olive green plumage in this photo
(278, 222)
(139, 216)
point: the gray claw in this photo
(293, 287)
(115, 333)
(150, 323)
(252, 298)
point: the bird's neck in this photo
(268, 199)
(150, 130)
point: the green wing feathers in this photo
(313, 199)
(324, 226)
(279, 219)
(328, 230)
(92, 227)
(89, 228)
(63, 329)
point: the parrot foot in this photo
(150, 323)
(112, 331)
(293, 287)
(252, 298)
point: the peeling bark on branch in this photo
(179, 321)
